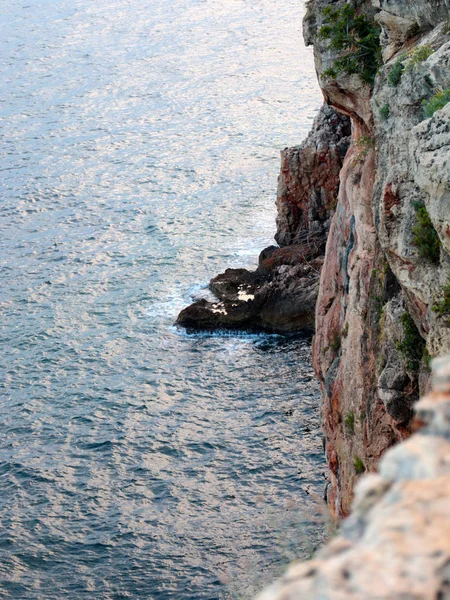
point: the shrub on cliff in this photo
(442, 307)
(359, 465)
(412, 346)
(357, 37)
(425, 237)
(385, 112)
(418, 55)
(413, 58)
(395, 74)
(438, 101)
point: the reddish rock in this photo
(309, 179)
(395, 544)
(370, 365)
(357, 427)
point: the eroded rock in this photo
(309, 180)
(398, 161)
(279, 297)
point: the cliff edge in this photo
(383, 309)
(396, 543)
(363, 229)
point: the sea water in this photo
(140, 149)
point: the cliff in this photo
(383, 304)
(280, 296)
(396, 543)
(363, 229)
(383, 308)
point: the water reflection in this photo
(140, 158)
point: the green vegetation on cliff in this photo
(442, 308)
(395, 74)
(413, 345)
(385, 112)
(359, 465)
(418, 55)
(425, 237)
(438, 101)
(358, 37)
(349, 422)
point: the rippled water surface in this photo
(140, 149)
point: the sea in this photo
(140, 144)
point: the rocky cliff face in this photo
(308, 185)
(383, 305)
(396, 543)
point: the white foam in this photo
(218, 309)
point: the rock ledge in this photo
(396, 542)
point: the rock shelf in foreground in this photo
(396, 543)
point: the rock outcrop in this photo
(280, 296)
(308, 184)
(396, 543)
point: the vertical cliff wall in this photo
(383, 305)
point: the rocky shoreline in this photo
(281, 295)
(363, 229)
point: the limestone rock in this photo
(396, 543)
(398, 160)
(426, 13)
(396, 32)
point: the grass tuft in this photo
(425, 237)
(438, 101)
(385, 112)
(418, 55)
(442, 308)
(349, 422)
(395, 74)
